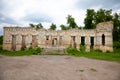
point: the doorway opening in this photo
(103, 39)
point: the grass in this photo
(94, 70)
(113, 56)
(81, 70)
(28, 52)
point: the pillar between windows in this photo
(87, 44)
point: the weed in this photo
(94, 70)
(81, 70)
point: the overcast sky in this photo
(23, 12)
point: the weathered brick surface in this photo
(26, 36)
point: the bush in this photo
(108, 51)
(82, 48)
(30, 51)
(72, 51)
(22, 48)
(1, 47)
(98, 50)
(35, 51)
(116, 44)
(30, 48)
(38, 50)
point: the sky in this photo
(23, 12)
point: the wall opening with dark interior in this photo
(91, 42)
(47, 40)
(103, 39)
(83, 40)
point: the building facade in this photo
(100, 38)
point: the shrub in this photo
(72, 51)
(108, 51)
(36, 50)
(30, 48)
(1, 47)
(23, 48)
(30, 51)
(98, 50)
(82, 48)
(116, 44)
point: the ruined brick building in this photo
(101, 37)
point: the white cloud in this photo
(58, 10)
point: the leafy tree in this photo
(32, 25)
(38, 26)
(53, 26)
(93, 18)
(103, 15)
(116, 30)
(89, 20)
(71, 22)
(1, 39)
(63, 27)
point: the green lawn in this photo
(100, 55)
(30, 51)
(114, 56)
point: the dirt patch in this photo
(50, 67)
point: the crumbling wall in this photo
(26, 37)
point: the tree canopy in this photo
(94, 17)
(63, 27)
(38, 26)
(1, 39)
(71, 22)
(53, 26)
(89, 20)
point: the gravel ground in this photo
(53, 67)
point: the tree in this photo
(1, 39)
(53, 26)
(32, 25)
(89, 20)
(71, 22)
(103, 15)
(63, 27)
(93, 18)
(38, 26)
(116, 29)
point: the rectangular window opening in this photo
(83, 40)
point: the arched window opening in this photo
(103, 39)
